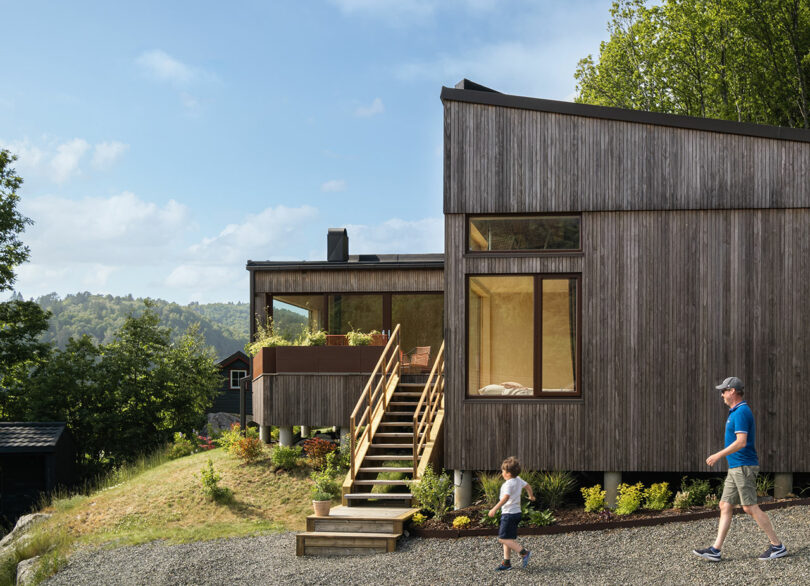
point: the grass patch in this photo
(157, 498)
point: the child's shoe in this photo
(504, 566)
(525, 558)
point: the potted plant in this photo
(324, 489)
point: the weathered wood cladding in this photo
(673, 302)
(354, 281)
(306, 399)
(509, 160)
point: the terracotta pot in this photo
(322, 508)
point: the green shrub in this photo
(265, 337)
(432, 491)
(629, 499)
(182, 446)
(657, 496)
(317, 450)
(540, 518)
(697, 488)
(285, 457)
(554, 487)
(764, 484)
(308, 338)
(491, 487)
(210, 483)
(418, 519)
(594, 498)
(248, 449)
(712, 501)
(682, 500)
(230, 436)
(358, 338)
(488, 521)
(324, 484)
(461, 522)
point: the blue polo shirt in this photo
(740, 419)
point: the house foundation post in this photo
(304, 431)
(612, 482)
(264, 433)
(782, 484)
(285, 436)
(462, 496)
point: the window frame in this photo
(521, 252)
(230, 377)
(538, 340)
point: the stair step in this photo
(388, 496)
(387, 446)
(382, 482)
(404, 403)
(393, 434)
(407, 394)
(396, 423)
(393, 458)
(400, 413)
(344, 543)
(411, 385)
(379, 469)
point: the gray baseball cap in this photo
(731, 382)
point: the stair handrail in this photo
(431, 399)
(387, 367)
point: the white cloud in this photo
(65, 163)
(105, 154)
(397, 236)
(334, 185)
(164, 67)
(118, 230)
(375, 108)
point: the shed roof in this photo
(471, 92)
(355, 262)
(30, 436)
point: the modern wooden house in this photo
(603, 270)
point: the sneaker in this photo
(773, 552)
(526, 557)
(711, 554)
(503, 567)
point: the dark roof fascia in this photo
(344, 266)
(59, 429)
(623, 115)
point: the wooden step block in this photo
(400, 413)
(390, 446)
(344, 543)
(391, 457)
(382, 482)
(407, 394)
(411, 385)
(388, 496)
(354, 525)
(393, 434)
(379, 469)
(396, 423)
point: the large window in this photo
(294, 313)
(523, 335)
(355, 312)
(527, 233)
(421, 317)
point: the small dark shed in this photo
(34, 458)
(234, 368)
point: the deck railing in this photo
(430, 402)
(374, 400)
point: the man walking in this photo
(740, 487)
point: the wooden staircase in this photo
(395, 431)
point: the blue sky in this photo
(163, 144)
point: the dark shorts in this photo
(509, 525)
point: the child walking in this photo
(510, 515)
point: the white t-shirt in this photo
(512, 487)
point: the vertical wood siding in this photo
(507, 160)
(306, 399)
(672, 303)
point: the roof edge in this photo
(491, 98)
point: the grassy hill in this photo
(159, 499)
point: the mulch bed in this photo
(569, 520)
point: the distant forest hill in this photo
(225, 326)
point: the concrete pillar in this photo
(463, 493)
(285, 436)
(612, 482)
(264, 433)
(304, 431)
(782, 484)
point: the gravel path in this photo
(644, 555)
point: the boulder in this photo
(26, 570)
(222, 421)
(24, 524)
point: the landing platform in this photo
(371, 513)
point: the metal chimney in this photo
(337, 245)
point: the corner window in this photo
(523, 336)
(524, 233)
(236, 376)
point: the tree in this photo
(743, 60)
(21, 322)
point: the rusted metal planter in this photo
(316, 359)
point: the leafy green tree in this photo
(21, 322)
(743, 60)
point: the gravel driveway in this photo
(644, 555)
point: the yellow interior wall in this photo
(557, 359)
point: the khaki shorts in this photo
(741, 486)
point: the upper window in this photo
(236, 376)
(529, 233)
(523, 336)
